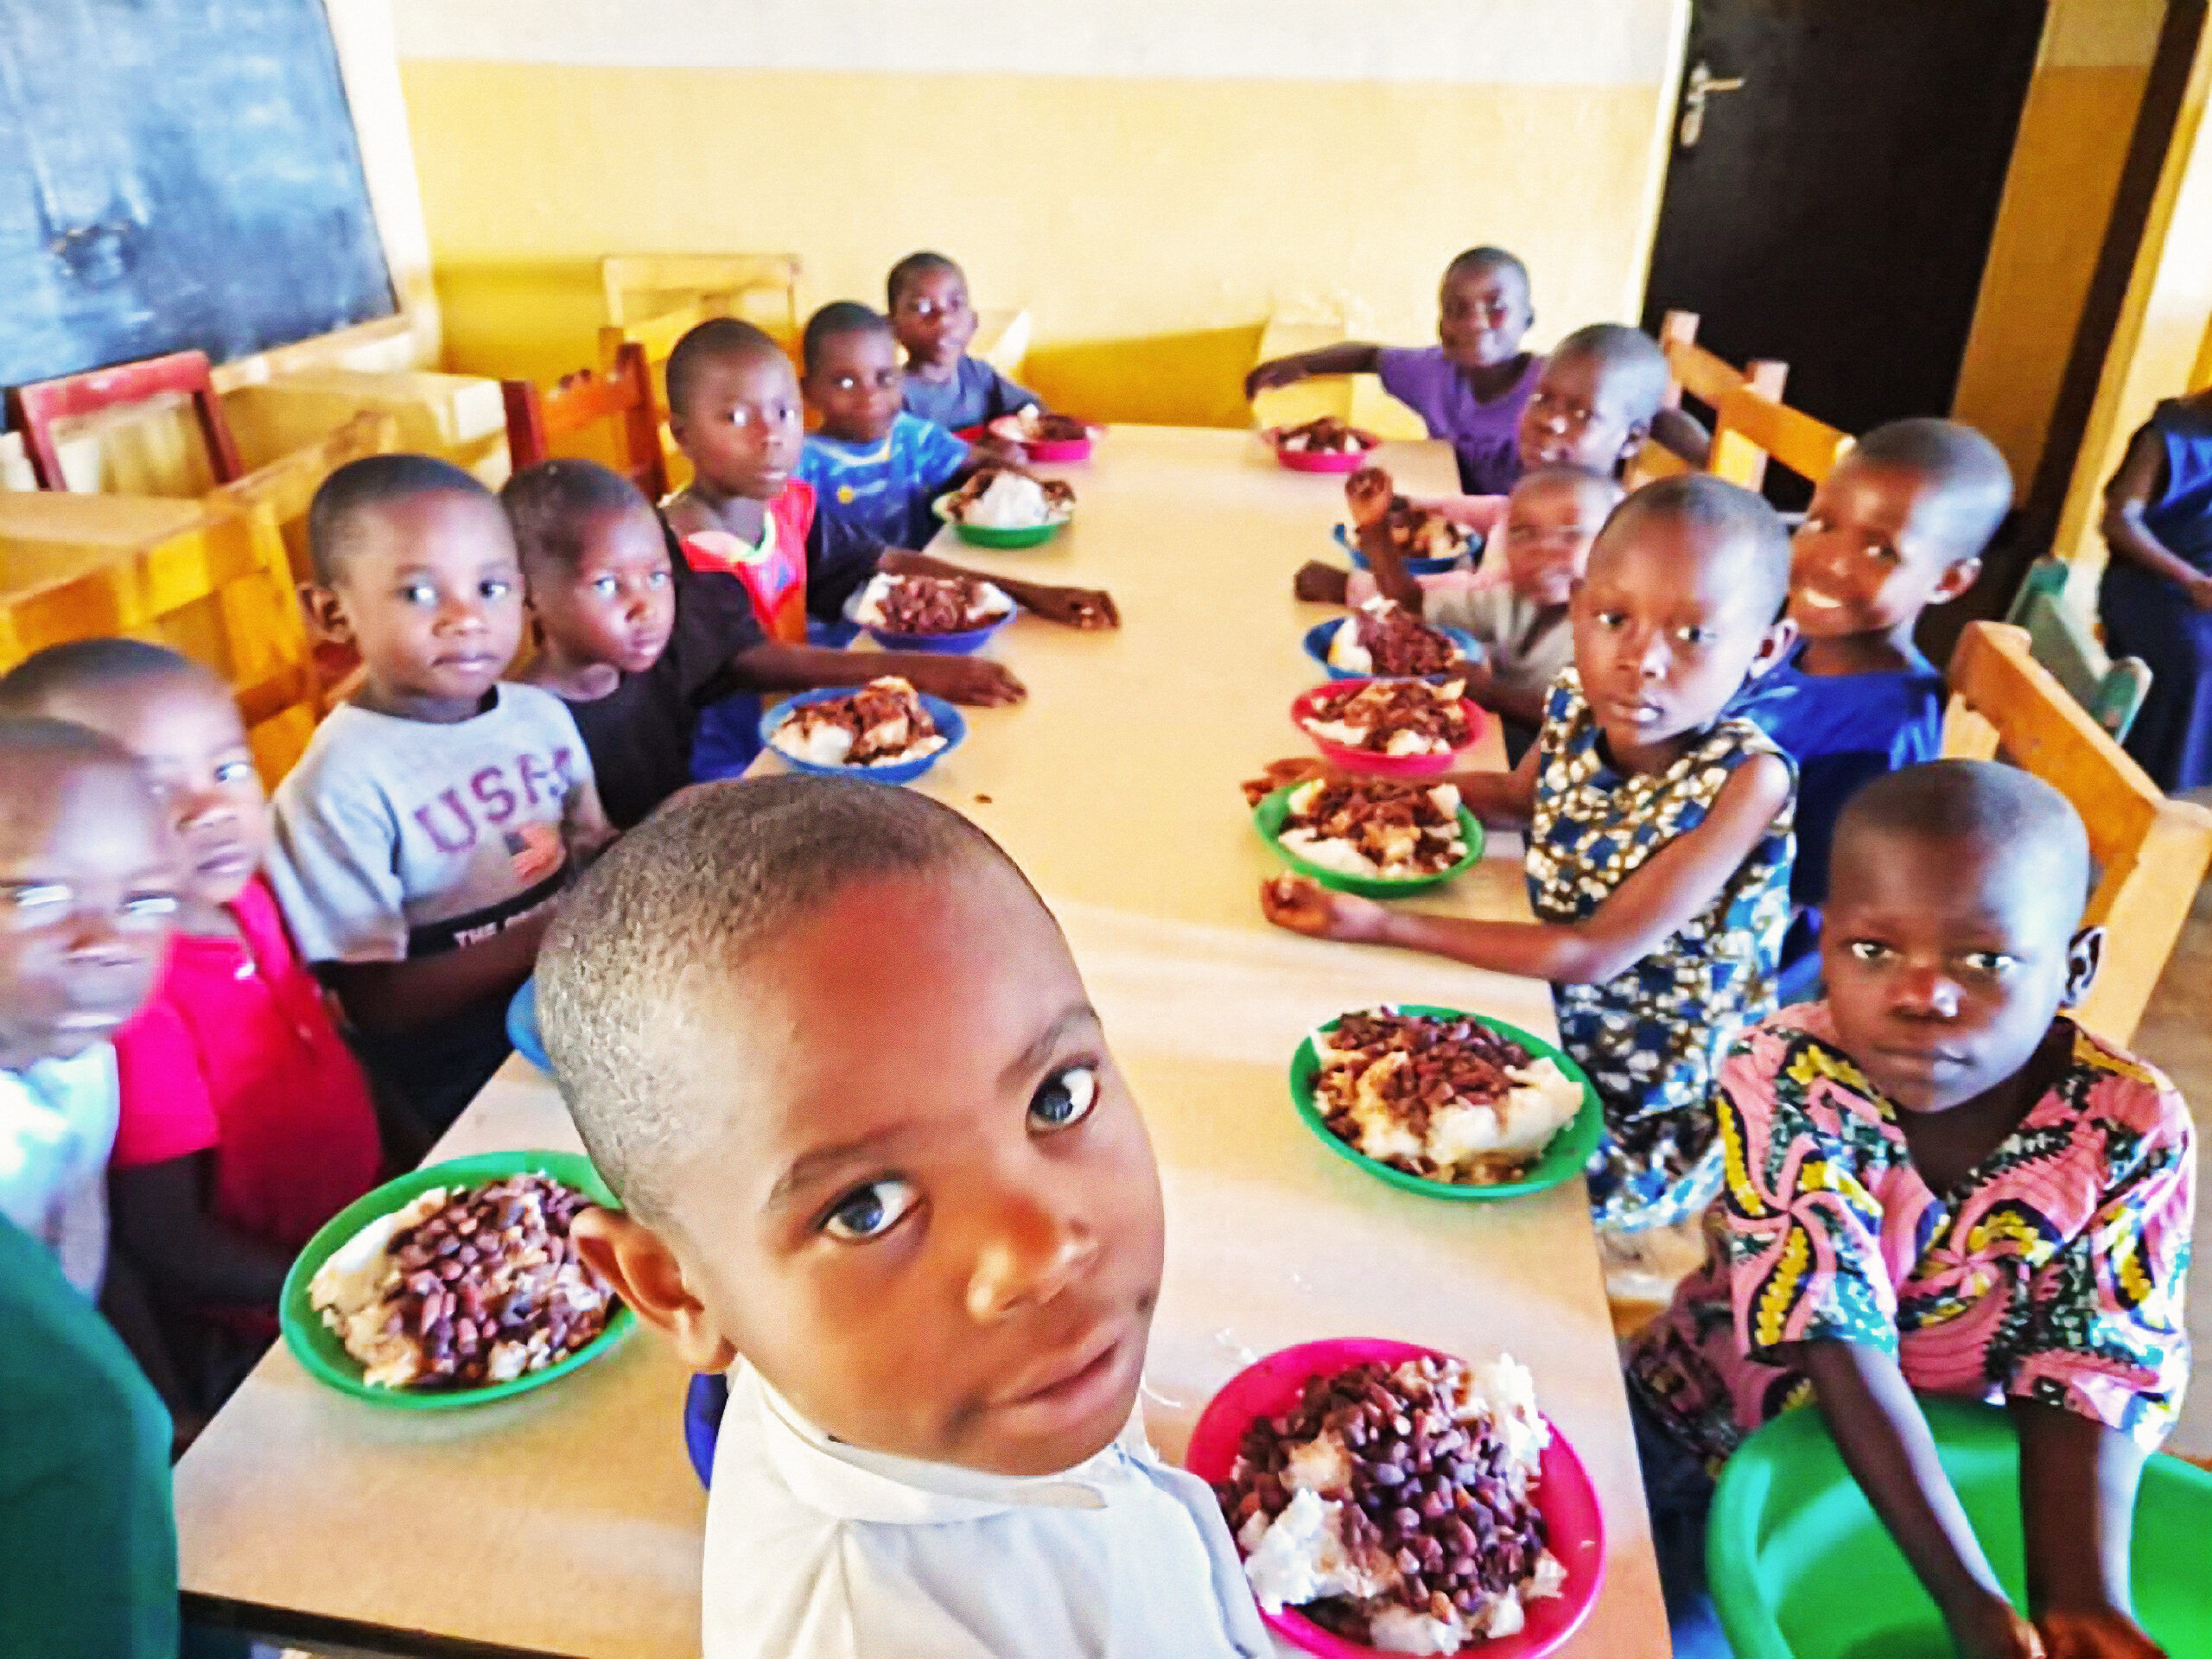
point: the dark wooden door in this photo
(1834, 210)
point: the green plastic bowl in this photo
(1562, 1159)
(1004, 540)
(1268, 818)
(1802, 1568)
(316, 1346)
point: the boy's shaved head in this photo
(1972, 486)
(2008, 814)
(550, 506)
(713, 341)
(684, 905)
(1733, 517)
(359, 487)
(1635, 368)
(35, 750)
(912, 268)
(1486, 258)
(91, 666)
(838, 318)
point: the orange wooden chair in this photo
(1773, 431)
(1695, 372)
(623, 394)
(35, 410)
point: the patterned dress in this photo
(2056, 1273)
(1651, 1038)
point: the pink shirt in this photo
(237, 1055)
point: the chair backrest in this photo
(287, 485)
(622, 394)
(36, 410)
(1693, 372)
(2151, 853)
(2065, 642)
(1748, 419)
(642, 285)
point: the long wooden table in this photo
(567, 1521)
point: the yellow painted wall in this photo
(1150, 234)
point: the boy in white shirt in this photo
(832, 1050)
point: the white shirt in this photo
(57, 1127)
(816, 1550)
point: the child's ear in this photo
(2083, 957)
(1773, 647)
(644, 1273)
(1637, 432)
(1953, 582)
(326, 613)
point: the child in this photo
(638, 643)
(1897, 526)
(1470, 388)
(871, 463)
(733, 408)
(928, 297)
(246, 1121)
(1658, 836)
(2156, 596)
(1938, 1182)
(424, 835)
(876, 1162)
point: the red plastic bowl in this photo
(1564, 1495)
(1307, 460)
(1385, 766)
(1009, 427)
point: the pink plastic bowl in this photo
(1384, 766)
(1564, 1495)
(1009, 427)
(1307, 461)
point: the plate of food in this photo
(1045, 437)
(453, 1285)
(1379, 837)
(1323, 445)
(1445, 1103)
(1426, 550)
(953, 615)
(1389, 1498)
(997, 507)
(1394, 728)
(885, 731)
(1381, 641)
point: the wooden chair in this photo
(35, 410)
(2151, 852)
(1750, 422)
(287, 485)
(1693, 372)
(655, 340)
(2065, 642)
(642, 285)
(622, 394)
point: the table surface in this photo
(566, 1521)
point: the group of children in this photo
(929, 1264)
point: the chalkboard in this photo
(176, 174)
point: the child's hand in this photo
(1993, 1629)
(1369, 494)
(1323, 584)
(1073, 607)
(2200, 593)
(1307, 907)
(1283, 372)
(2093, 1633)
(976, 680)
(1281, 774)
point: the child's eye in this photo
(234, 771)
(419, 592)
(1995, 964)
(1612, 618)
(36, 900)
(1885, 552)
(740, 417)
(494, 587)
(148, 906)
(658, 579)
(1868, 950)
(870, 1212)
(1696, 636)
(1064, 1098)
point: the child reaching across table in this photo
(927, 295)
(877, 1163)
(871, 463)
(1658, 836)
(1937, 1181)
(246, 1121)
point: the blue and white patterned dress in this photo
(1652, 1038)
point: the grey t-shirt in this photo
(1500, 618)
(400, 838)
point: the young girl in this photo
(246, 1122)
(1658, 836)
(2156, 598)
(1938, 1182)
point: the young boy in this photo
(423, 838)
(1471, 387)
(928, 297)
(1938, 1182)
(1900, 526)
(636, 644)
(245, 1122)
(871, 463)
(876, 1162)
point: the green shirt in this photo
(87, 1537)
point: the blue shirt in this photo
(1843, 730)
(884, 488)
(976, 393)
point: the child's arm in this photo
(2078, 1500)
(162, 1220)
(1886, 1445)
(1074, 607)
(1353, 356)
(2141, 479)
(384, 997)
(772, 665)
(1656, 901)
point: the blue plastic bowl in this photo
(522, 1025)
(1414, 567)
(962, 644)
(1317, 647)
(949, 722)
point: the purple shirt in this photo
(1486, 437)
